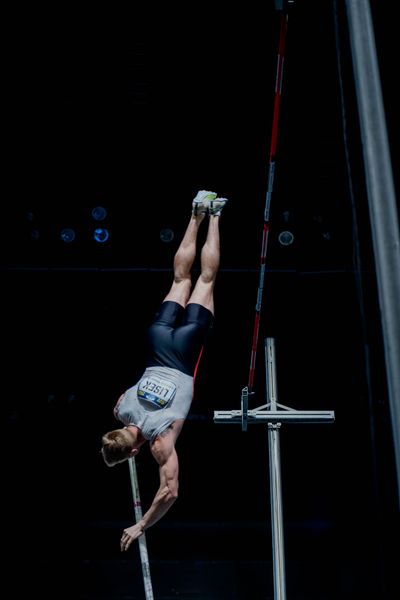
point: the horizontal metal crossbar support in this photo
(274, 416)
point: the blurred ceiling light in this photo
(99, 213)
(67, 235)
(101, 235)
(286, 238)
(166, 235)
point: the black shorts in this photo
(177, 335)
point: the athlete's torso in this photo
(161, 396)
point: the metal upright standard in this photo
(382, 201)
(148, 589)
(273, 414)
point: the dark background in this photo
(136, 110)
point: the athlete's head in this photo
(118, 445)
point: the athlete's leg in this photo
(162, 345)
(188, 337)
(186, 253)
(183, 261)
(203, 292)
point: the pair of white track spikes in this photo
(208, 203)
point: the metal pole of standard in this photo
(148, 589)
(273, 414)
(382, 202)
(278, 553)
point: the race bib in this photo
(158, 392)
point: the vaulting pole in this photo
(142, 539)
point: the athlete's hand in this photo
(129, 535)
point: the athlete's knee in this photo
(207, 277)
(182, 279)
(180, 290)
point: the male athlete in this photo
(155, 408)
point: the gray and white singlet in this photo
(161, 396)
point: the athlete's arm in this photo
(163, 450)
